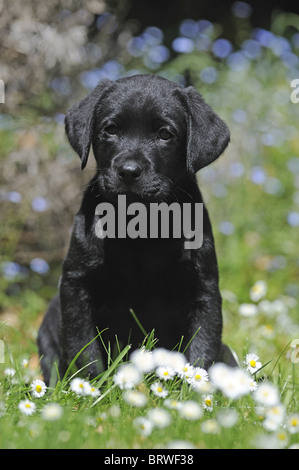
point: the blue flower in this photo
(293, 219)
(182, 45)
(241, 9)
(10, 270)
(222, 48)
(227, 228)
(258, 175)
(39, 265)
(39, 204)
(209, 75)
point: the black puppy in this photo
(149, 137)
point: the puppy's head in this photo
(147, 134)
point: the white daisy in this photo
(27, 407)
(236, 384)
(210, 426)
(199, 376)
(179, 444)
(186, 371)
(127, 376)
(143, 425)
(135, 398)
(25, 363)
(207, 401)
(38, 388)
(252, 362)
(52, 412)
(248, 310)
(172, 404)
(190, 410)
(227, 418)
(252, 384)
(218, 374)
(159, 417)
(158, 389)
(266, 394)
(292, 423)
(166, 358)
(165, 373)
(77, 385)
(91, 390)
(276, 413)
(258, 291)
(143, 360)
(9, 372)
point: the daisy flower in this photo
(38, 388)
(159, 417)
(25, 363)
(172, 404)
(165, 373)
(276, 413)
(135, 398)
(179, 444)
(258, 291)
(166, 358)
(77, 385)
(158, 389)
(127, 376)
(207, 401)
(143, 360)
(186, 371)
(248, 310)
(9, 372)
(236, 384)
(266, 394)
(227, 418)
(292, 423)
(219, 373)
(199, 376)
(52, 412)
(190, 410)
(210, 426)
(252, 385)
(91, 390)
(27, 407)
(143, 425)
(252, 362)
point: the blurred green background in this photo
(242, 57)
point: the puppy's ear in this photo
(79, 121)
(207, 134)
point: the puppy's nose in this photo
(128, 171)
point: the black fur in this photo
(149, 137)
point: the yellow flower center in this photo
(28, 405)
(81, 385)
(208, 402)
(294, 422)
(197, 377)
(38, 388)
(160, 389)
(252, 363)
(165, 373)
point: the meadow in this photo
(152, 399)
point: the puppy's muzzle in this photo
(128, 170)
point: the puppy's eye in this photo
(164, 134)
(112, 129)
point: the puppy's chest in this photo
(138, 283)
